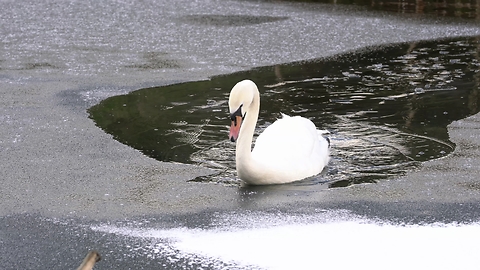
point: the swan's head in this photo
(239, 102)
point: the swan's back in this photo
(292, 147)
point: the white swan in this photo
(290, 149)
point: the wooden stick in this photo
(90, 260)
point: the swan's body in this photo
(289, 150)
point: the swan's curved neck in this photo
(245, 137)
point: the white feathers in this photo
(290, 149)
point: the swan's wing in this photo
(290, 148)
(287, 138)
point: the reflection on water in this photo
(386, 108)
(466, 9)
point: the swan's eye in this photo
(234, 115)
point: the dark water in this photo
(466, 9)
(387, 109)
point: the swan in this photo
(288, 150)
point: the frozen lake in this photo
(333, 240)
(69, 187)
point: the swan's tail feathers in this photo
(322, 133)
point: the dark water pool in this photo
(466, 9)
(387, 109)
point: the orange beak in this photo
(235, 128)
